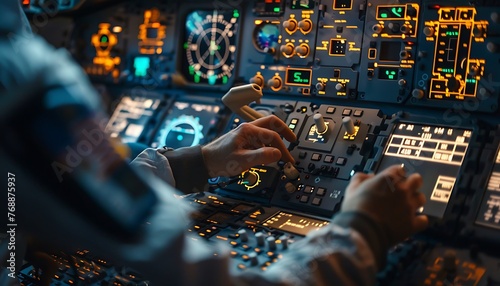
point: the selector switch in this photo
(348, 125)
(417, 93)
(340, 86)
(321, 126)
(429, 31)
(320, 86)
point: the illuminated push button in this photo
(429, 31)
(290, 25)
(305, 26)
(260, 237)
(321, 126)
(320, 86)
(377, 28)
(302, 50)
(349, 125)
(417, 93)
(287, 50)
(290, 188)
(321, 192)
(271, 243)
(290, 171)
(275, 83)
(243, 235)
(340, 87)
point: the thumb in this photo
(264, 155)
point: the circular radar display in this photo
(183, 131)
(266, 37)
(210, 46)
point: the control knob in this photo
(340, 86)
(320, 86)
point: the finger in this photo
(272, 122)
(413, 183)
(359, 178)
(264, 155)
(420, 223)
(419, 200)
(261, 136)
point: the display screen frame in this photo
(290, 75)
(438, 189)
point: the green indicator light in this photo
(390, 74)
(383, 15)
(104, 39)
(277, 9)
(236, 14)
(452, 33)
(197, 78)
(186, 45)
(397, 11)
(224, 79)
(212, 79)
(141, 66)
(470, 80)
(448, 70)
(191, 70)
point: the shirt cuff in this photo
(370, 229)
(188, 168)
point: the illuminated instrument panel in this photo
(210, 44)
(364, 84)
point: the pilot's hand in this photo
(390, 198)
(248, 145)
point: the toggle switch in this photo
(290, 171)
(243, 235)
(261, 239)
(271, 243)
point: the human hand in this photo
(250, 144)
(389, 198)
